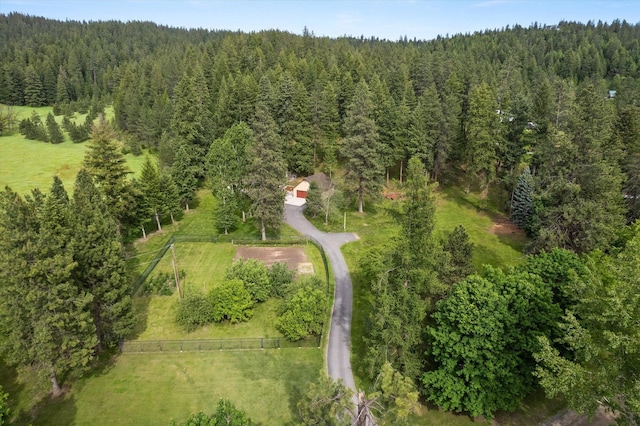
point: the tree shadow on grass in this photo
(10, 383)
(141, 312)
(48, 411)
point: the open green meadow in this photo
(27, 164)
(152, 389)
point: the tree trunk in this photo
(144, 233)
(57, 390)
(264, 231)
(360, 203)
(172, 219)
(401, 163)
(244, 216)
(326, 212)
(387, 176)
(97, 319)
(187, 206)
(158, 221)
(226, 231)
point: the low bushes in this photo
(248, 282)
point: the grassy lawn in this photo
(152, 389)
(27, 164)
(453, 207)
(204, 265)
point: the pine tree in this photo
(580, 206)
(407, 285)
(522, 202)
(425, 128)
(362, 149)
(149, 186)
(293, 118)
(482, 136)
(34, 94)
(101, 269)
(191, 118)
(46, 318)
(183, 173)
(265, 172)
(55, 134)
(106, 164)
(460, 251)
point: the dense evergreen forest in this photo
(548, 116)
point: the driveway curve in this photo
(339, 348)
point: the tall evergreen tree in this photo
(425, 129)
(184, 172)
(191, 118)
(483, 135)
(46, 318)
(293, 118)
(522, 201)
(405, 288)
(265, 172)
(149, 186)
(106, 164)
(34, 94)
(362, 149)
(580, 181)
(55, 134)
(101, 269)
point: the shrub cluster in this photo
(246, 283)
(304, 309)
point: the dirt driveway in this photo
(292, 256)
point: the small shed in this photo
(301, 189)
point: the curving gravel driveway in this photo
(339, 349)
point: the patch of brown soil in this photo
(505, 228)
(292, 256)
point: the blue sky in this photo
(422, 19)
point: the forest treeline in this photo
(558, 102)
(548, 116)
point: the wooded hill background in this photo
(486, 108)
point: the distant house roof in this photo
(321, 180)
(612, 93)
(302, 186)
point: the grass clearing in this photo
(152, 389)
(453, 207)
(27, 164)
(204, 265)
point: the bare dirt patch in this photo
(505, 228)
(292, 256)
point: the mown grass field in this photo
(152, 389)
(27, 164)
